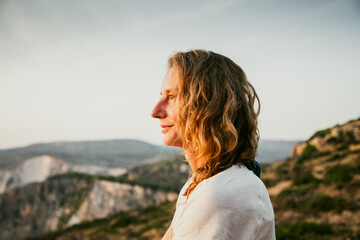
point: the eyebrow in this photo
(167, 91)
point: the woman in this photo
(207, 108)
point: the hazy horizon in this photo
(89, 70)
(96, 140)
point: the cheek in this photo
(173, 113)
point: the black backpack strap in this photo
(255, 167)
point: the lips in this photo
(165, 128)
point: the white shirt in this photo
(233, 204)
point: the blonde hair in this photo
(217, 117)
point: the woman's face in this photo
(166, 110)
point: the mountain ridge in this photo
(120, 153)
(107, 153)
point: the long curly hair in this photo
(216, 114)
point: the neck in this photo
(193, 162)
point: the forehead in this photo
(170, 81)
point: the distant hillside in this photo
(111, 153)
(316, 192)
(120, 153)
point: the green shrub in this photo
(324, 203)
(297, 200)
(282, 171)
(341, 137)
(298, 164)
(285, 193)
(154, 225)
(308, 150)
(334, 157)
(292, 203)
(340, 174)
(342, 147)
(291, 198)
(323, 153)
(321, 133)
(306, 178)
(357, 237)
(268, 182)
(301, 230)
(350, 137)
(124, 221)
(332, 140)
(297, 192)
(76, 175)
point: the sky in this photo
(92, 70)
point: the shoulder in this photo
(233, 184)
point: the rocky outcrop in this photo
(39, 207)
(5, 179)
(108, 198)
(63, 201)
(297, 150)
(36, 170)
(39, 168)
(331, 139)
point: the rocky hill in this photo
(64, 200)
(67, 202)
(164, 178)
(316, 191)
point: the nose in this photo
(158, 111)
